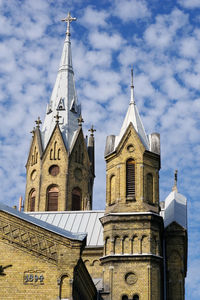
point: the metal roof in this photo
(86, 222)
(175, 209)
(39, 222)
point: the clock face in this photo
(33, 174)
(78, 174)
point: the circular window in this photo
(130, 278)
(130, 148)
(78, 173)
(33, 175)
(54, 170)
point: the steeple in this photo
(63, 98)
(132, 116)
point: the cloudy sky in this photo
(161, 39)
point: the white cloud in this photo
(93, 17)
(103, 40)
(131, 10)
(190, 3)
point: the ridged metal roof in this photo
(46, 225)
(77, 222)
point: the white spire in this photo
(132, 116)
(63, 98)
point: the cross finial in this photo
(57, 117)
(68, 20)
(38, 122)
(80, 120)
(175, 181)
(92, 130)
(132, 87)
(33, 131)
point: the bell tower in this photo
(132, 260)
(60, 165)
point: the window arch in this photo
(150, 187)
(136, 297)
(124, 297)
(130, 178)
(112, 189)
(32, 196)
(52, 198)
(76, 198)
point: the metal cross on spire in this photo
(80, 120)
(68, 20)
(38, 122)
(132, 88)
(175, 181)
(92, 130)
(33, 131)
(57, 117)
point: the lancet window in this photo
(76, 199)
(150, 188)
(52, 198)
(32, 196)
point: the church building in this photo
(58, 247)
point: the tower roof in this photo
(132, 116)
(63, 98)
(175, 207)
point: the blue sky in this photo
(161, 39)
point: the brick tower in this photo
(133, 228)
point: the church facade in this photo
(59, 248)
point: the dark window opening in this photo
(76, 199)
(130, 178)
(150, 188)
(32, 200)
(52, 198)
(135, 297)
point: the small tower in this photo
(175, 219)
(59, 173)
(132, 260)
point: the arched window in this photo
(52, 198)
(130, 178)
(32, 196)
(76, 199)
(150, 188)
(124, 297)
(135, 297)
(112, 189)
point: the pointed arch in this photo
(149, 180)
(136, 297)
(130, 178)
(112, 189)
(52, 198)
(31, 202)
(76, 198)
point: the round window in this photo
(54, 170)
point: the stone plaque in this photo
(32, 277)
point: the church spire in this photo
(132, 116)
(63, 98)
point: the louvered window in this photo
(52, 204)
(32, 200)
(130, 178)
(76, 199)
